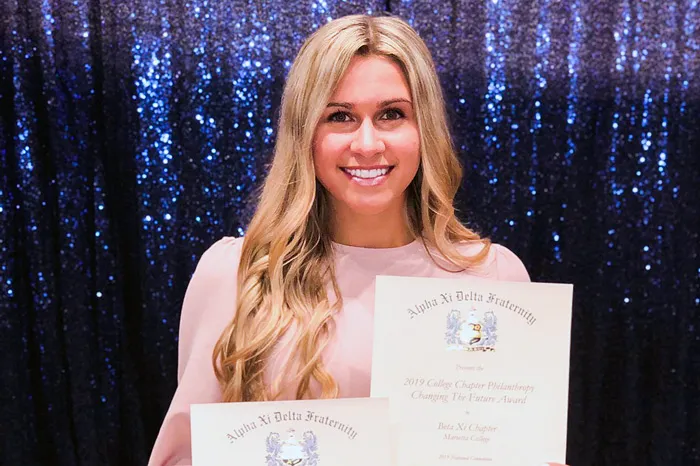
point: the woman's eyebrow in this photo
(383, 103)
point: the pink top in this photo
(209, 305)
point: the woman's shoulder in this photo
(220, 259)
(500, 263)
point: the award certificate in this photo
(476, 371)
(340, 432)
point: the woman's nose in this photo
(367, 141)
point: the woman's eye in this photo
(344, 117)
(338, 117)
(393, 114)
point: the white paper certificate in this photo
(340, 432)
(477, 371)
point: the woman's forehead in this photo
(371, 80)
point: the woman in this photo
(362, 183)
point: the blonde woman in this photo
(362, 183)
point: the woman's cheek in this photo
(333, 146)
(404, 144)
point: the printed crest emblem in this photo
(475, 333)
(291, 451)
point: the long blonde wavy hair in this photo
(286, 259)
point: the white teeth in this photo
(368, 174)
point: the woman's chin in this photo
(369, 205)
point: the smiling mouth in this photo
(368, 174)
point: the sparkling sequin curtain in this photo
(134, 131)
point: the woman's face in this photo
(366, 145)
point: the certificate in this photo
(341, 432)
(477, 371)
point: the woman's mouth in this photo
(368, 176)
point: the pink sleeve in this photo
(509, 266)
(207, 308)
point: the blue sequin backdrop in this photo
(134, 130)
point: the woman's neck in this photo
(385, 230)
